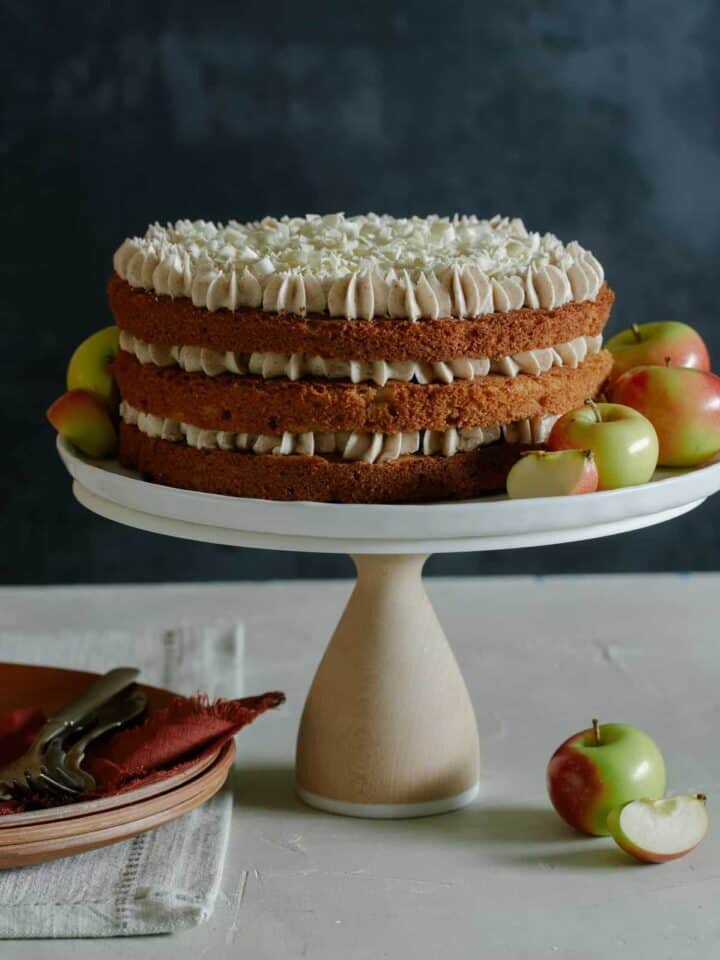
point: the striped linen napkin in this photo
(158, 882)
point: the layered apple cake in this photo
(350, 359)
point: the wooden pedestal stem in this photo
(388, 728)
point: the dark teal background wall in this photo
(598, 121)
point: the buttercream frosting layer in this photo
(297, 366)
(349, 445)
(361, 267)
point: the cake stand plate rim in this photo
(485, 524)
(204, 533)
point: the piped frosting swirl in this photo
(296, 366)
(349, 445)
(361, 267)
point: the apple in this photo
(665, 342)
(622, 440)
(656, 831)
(682, 404)
(712, 460)
(89, 367)
(602, 768)
(541, 474)
(83, 418)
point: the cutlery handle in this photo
(95, 695)
(116, 714)
(110, 717)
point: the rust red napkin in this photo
(171, 737)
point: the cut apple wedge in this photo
(562, 473)
(656, 831)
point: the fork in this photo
(29, 773)
(115, 714)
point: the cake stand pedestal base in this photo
(388, 729)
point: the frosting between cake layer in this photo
(296, 366)
(355, 445)
(361, 267)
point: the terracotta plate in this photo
(23, 685)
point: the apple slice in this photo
(81, 417)
(541, 474)
(655, 831)
(90, 365)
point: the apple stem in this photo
(595, 409)
(636, 330)
(668, 361)
(596, 731)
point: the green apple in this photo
(655, 831)
(602, 768)
(623, 441)
(665, 342)
(83, 418)
(90, 365)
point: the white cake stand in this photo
(388, 729)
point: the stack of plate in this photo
(41, 835)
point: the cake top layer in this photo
(362, 266)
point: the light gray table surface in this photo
(502, 878)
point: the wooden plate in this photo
(37, 843)
(24, 685)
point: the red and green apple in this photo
(622, 440)
(84, 419)
(682, 404)
(602, 768)
(664, 342)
